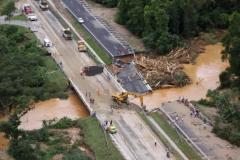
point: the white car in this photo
(80, 20)
(32, 17)
(46, 42)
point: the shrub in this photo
(225, 79)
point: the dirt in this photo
(217, 147)
(4, 142)
(73, 135)
(53, 108)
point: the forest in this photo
(166, 24)
(27, 72)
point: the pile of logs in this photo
(166, 71)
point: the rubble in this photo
(167, 71)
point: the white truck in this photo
(32, 17)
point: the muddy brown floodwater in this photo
(54, 108)
(3, 142)
(204, 75)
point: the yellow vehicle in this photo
(123, 97)
(111, 129)
(81, 46)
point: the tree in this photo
(135, 22)
(8, 8)
(231, 42)
(122, 16)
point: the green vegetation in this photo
(95, 139)
(178, 139)
(162, 24)
(108, 3)
(7, 7)
(27, 72)
(56, 138)
(19, 17)
(86, 36)
(161, 137)
(92, 42)
(226, 98)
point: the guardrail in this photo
(106, 71)
(184, 134)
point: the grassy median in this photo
(85, 34)
(178, 139)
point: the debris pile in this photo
(167, 71)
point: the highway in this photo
(135, 139)
(100, 33)
(129, 77)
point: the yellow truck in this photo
(81, 46)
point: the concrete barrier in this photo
(107, 72)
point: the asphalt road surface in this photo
(101, 34)
(129, 77)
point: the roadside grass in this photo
(59, 138)
(92, 42)
(19, 17)
(94, 137)
(56, 76)
(178, 139)
(161, 137)
(86, 36)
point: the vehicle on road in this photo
(32, 17)
(111, 129)
(80, 20)
(81, 46)
(43, 4)
(67, 33)
(46, 42)
(27, 9)
(123, 97)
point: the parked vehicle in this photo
(27, 9)
(46, 42)
(32, 17)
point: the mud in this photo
(55, 108)
(4, 142)
(204, 75)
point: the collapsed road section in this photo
(128, 76)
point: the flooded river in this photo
(204, 75)
(53, 108)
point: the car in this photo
(46, 42)
(32, 17)
(80, 20)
